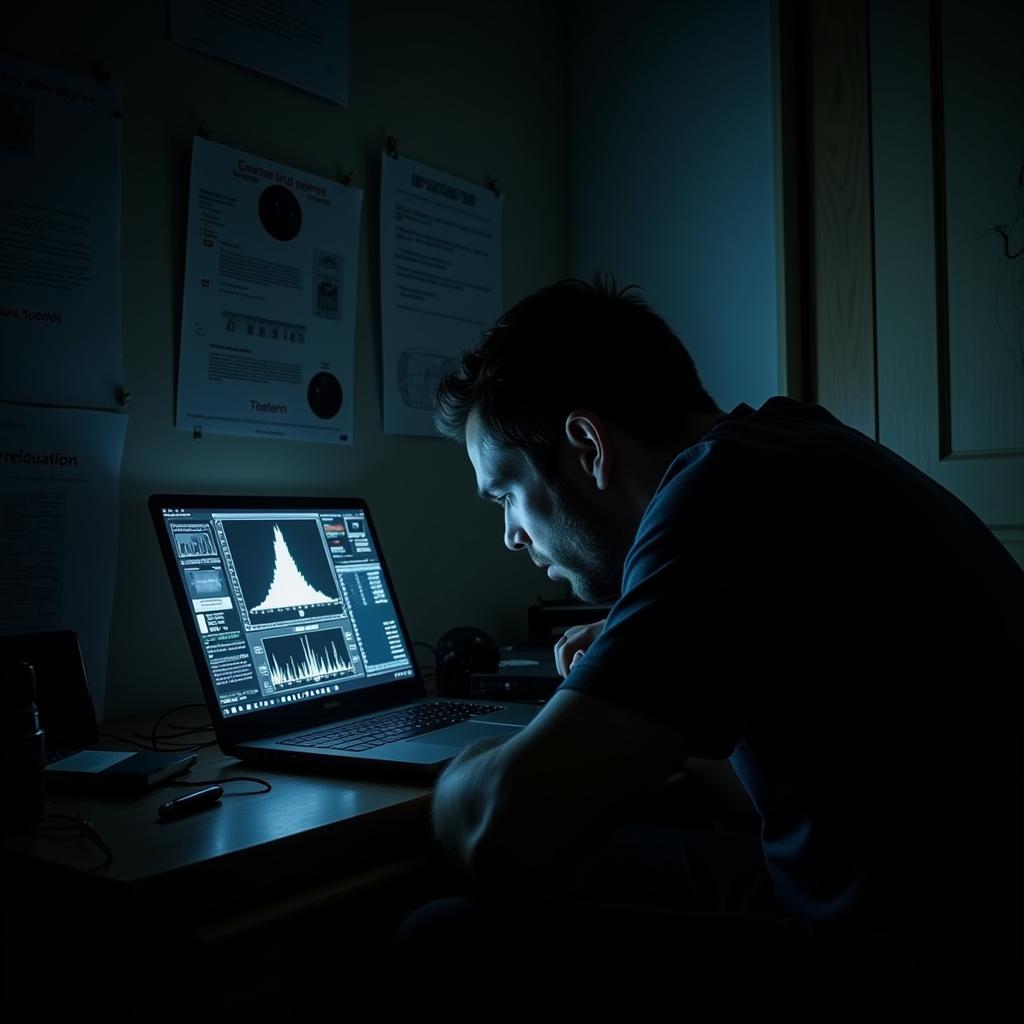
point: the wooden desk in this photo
(320, 859)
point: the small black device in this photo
(522, 674)
(189, 802)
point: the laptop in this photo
(299, 640)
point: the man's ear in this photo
(589, 445)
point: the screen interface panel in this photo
(287, 605)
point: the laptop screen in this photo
(287, 604)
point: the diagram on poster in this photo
(440, 268)
(267, 327)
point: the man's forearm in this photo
(464, 797)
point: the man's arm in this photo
(526, 815)
(462, 795)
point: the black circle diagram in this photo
(280, 213)
(324, 394)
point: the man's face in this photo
(564, 531)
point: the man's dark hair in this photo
(573, 345)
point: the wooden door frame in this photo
(824, 207)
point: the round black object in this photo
(461, 652)
(324, 394)
(280, 213)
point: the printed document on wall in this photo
(303, 43)
(60, 210)
(440, 268)
(59, 473)
(267, 327)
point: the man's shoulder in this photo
(752, 465)
(717, 465)
(778, 412)
(712, 495)
(748, 442)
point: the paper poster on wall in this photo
(267, 325)
(440, 269)
(59, 475)
(60, 211)
(304, 44)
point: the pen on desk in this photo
(189, 802)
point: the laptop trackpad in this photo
(464, 733)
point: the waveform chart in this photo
(194, 543)
(315, 657)
(283, 569)
(206, 583)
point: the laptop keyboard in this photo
(396, 725)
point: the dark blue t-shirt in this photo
(803, 601)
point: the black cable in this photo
(167, 714)
(220, 782)
(81, 827)
(184, 729)
(174, 743)
(171, 748)
(123, 739)
(168, 743)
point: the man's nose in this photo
(516, 538)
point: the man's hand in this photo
(573, 644)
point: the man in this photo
(789, 595)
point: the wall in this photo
(474, 89)
(671, 182)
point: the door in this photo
(901, 140)
(947, 103)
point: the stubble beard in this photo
(591, 551)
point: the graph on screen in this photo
(288, 588)
(283, 568)
(192, 544)
(308, 658)
(206, 582)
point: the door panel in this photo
(949, 299)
